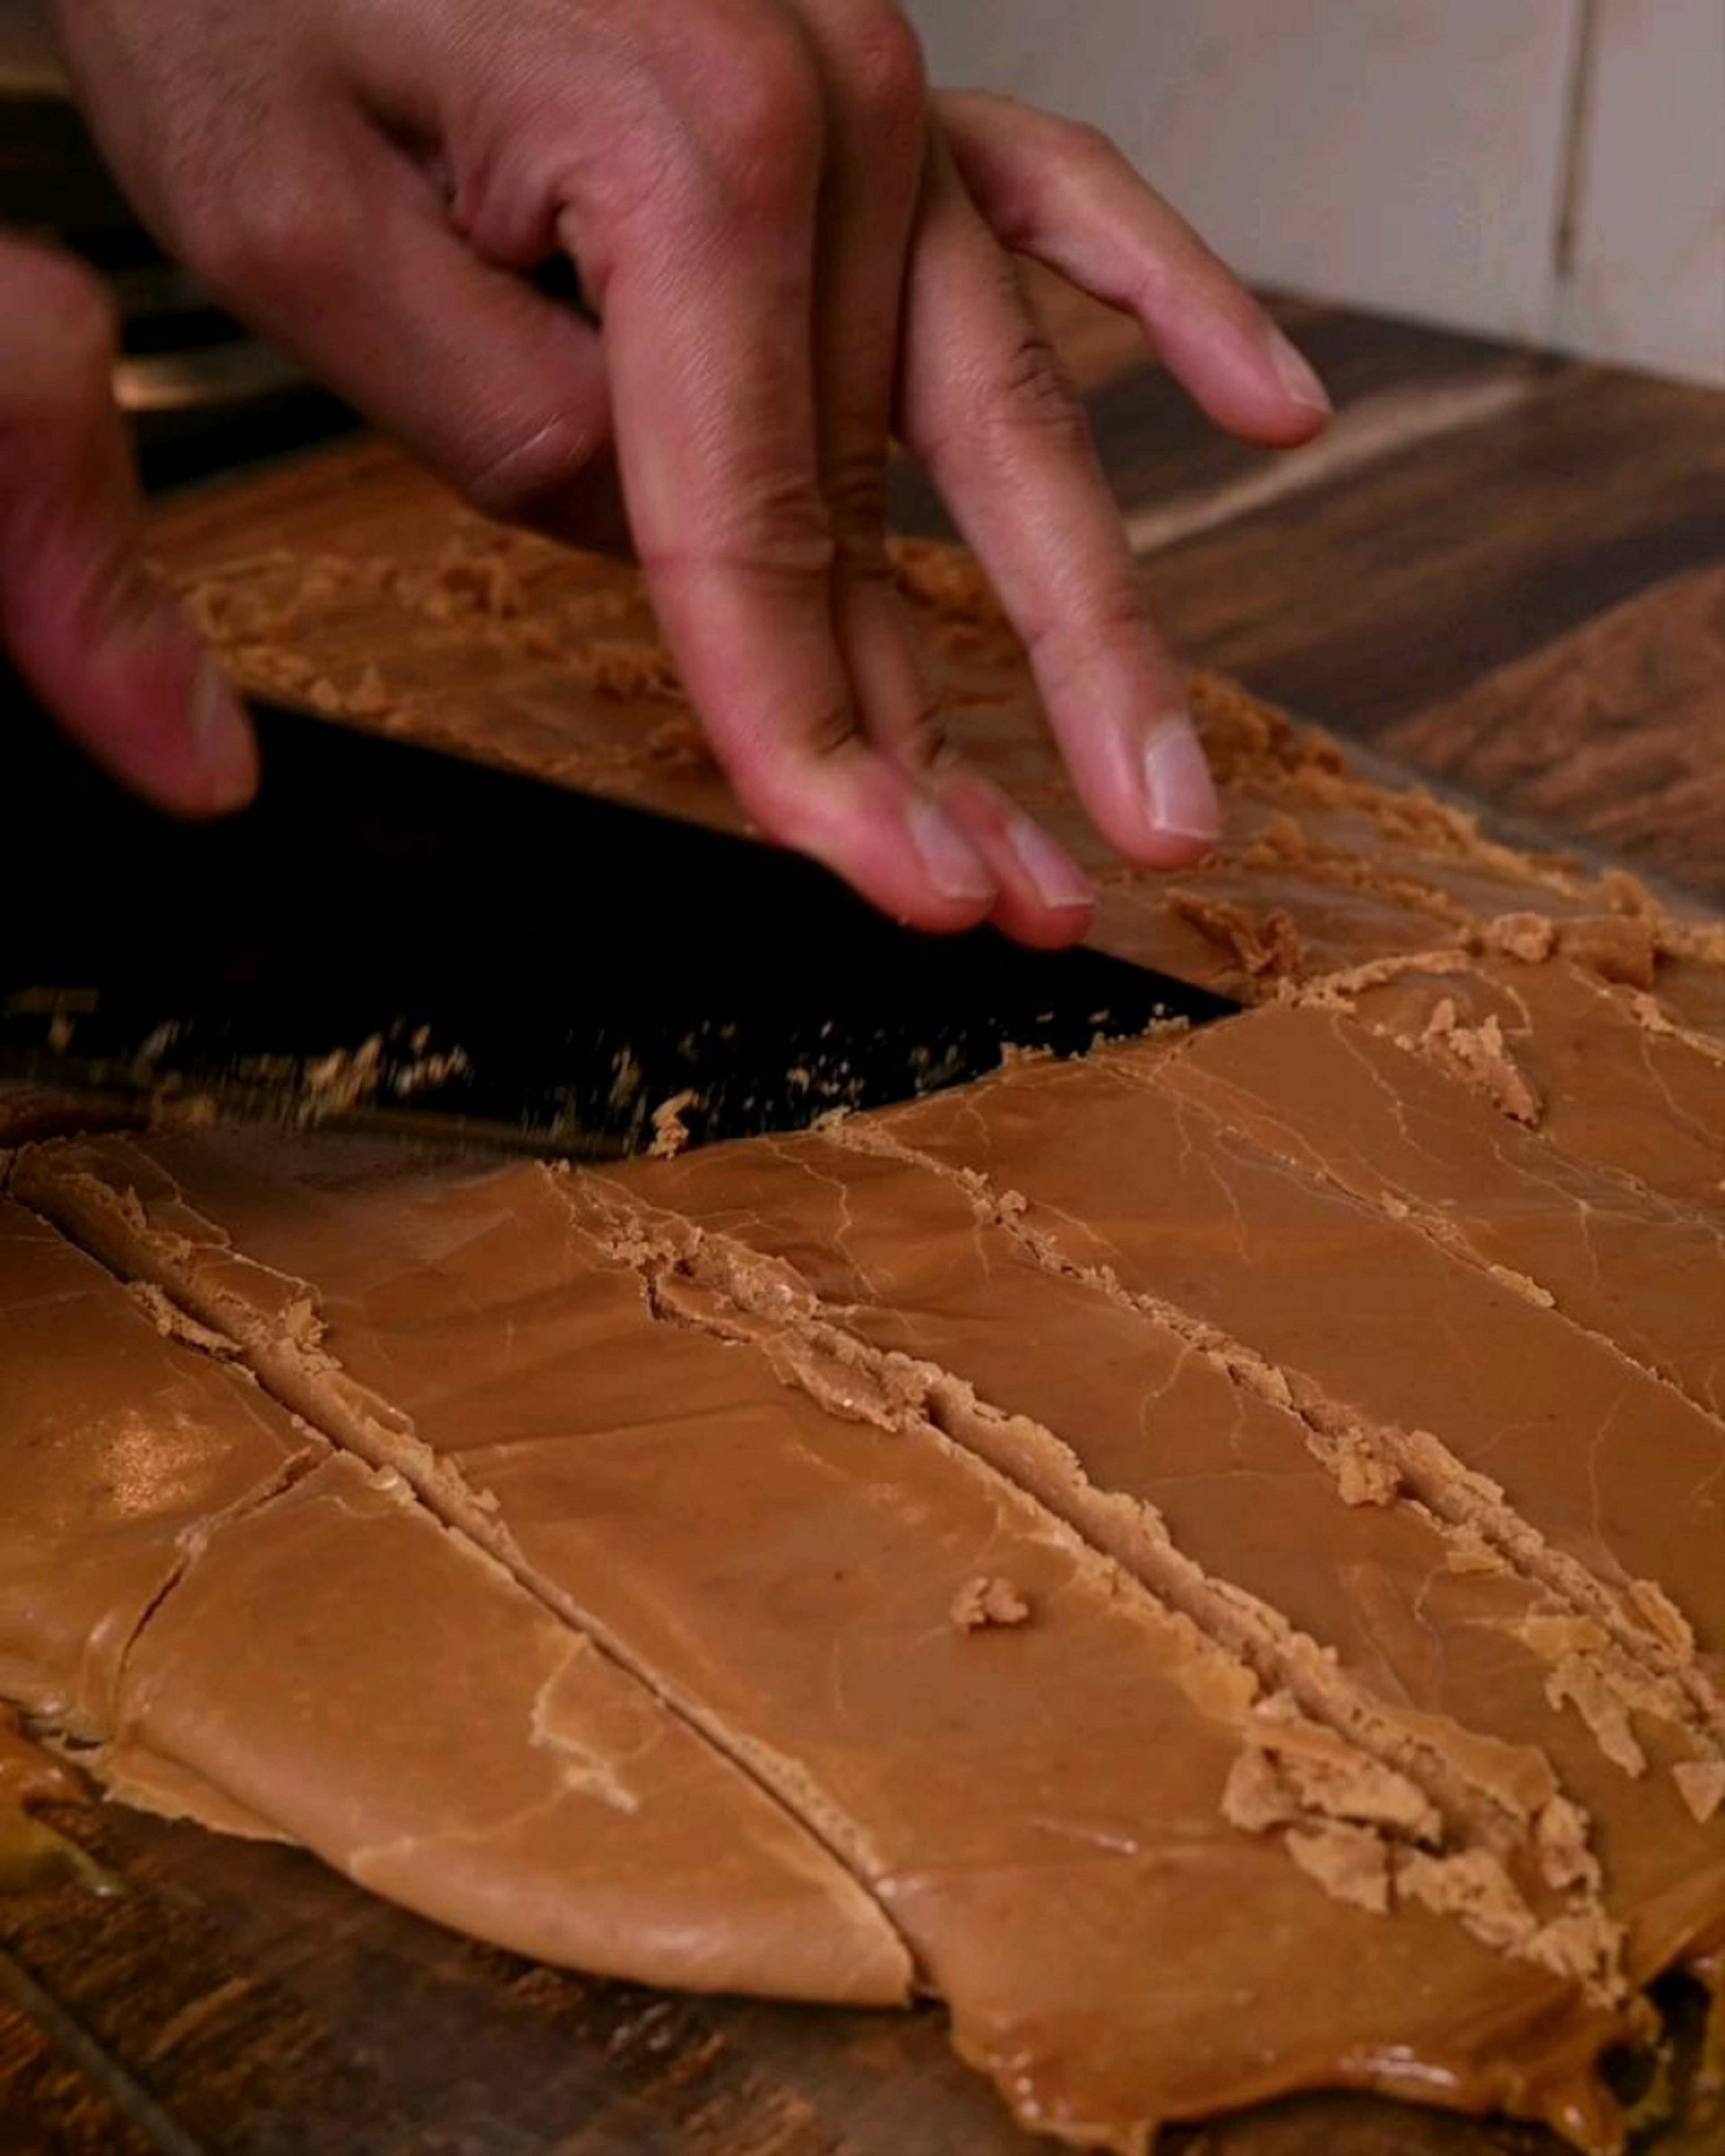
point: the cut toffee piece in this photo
(387, 605)
(776, 1542)
(226, 1618)
(345, 1668)
(1432, 1375)
(1350, 1106)
(1429, 1648)
(1594, 1067)
(122, 1451)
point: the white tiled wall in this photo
(1648, 275)
(1412, 155)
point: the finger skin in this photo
(986, 407)
(100, 643)
(254, 142)
(1046, 901)
(708, 311)
(499, 390)
(876, 141)
(1062, 192)
(869, 68)
(367, 180)
(359, 179)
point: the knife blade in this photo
(392, 938)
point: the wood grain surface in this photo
(1507, 569)
(239, 1997)
(1616, 728)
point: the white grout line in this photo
(1376, 427)
(1572, 162)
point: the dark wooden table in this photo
(1506, 568)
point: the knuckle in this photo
(761, 136)
(830, 731)
(271, 240)
(923, 746)
(1079, 148)
(856, 501)
(1030, 388)
(1183, 272)
(770, 769)
(1202, 280)
(779, 522)
(1106, 612)
(775, 530)
(879, 60)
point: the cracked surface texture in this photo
(1446, 1648)
(1616, 1083)
(774, 1547)
(188, 1576)
(1469, 1383)
(1207, 1559)
(117, 1463)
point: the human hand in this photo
(103, 646)
(793, 249)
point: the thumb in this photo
(97, 638)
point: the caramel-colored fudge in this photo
(1157, 1856)
(228, 1616)
(383, 603)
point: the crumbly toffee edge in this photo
(1612, 1654)
(289, 625)
(1480, 1055)
(1378, 1811)
(286, 1357)
(1375, 1809)
(1326, 1764)
(1219, 1103)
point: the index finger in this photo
(708, 312)
(986, 407)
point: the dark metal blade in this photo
(588, 960)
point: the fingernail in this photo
(1183, 797)
(955, 868)
(221, 740)
(1294, 371)
(1060, 883)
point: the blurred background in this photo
(1551, 171)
